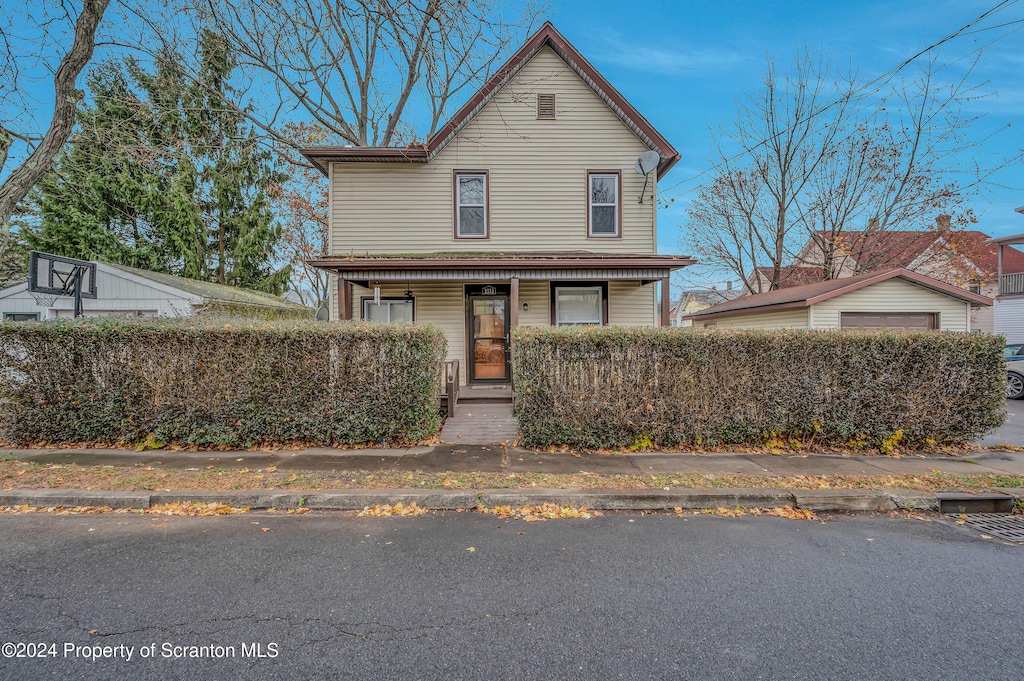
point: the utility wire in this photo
(875, 85)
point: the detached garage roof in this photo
(805, 296)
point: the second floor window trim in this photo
(472, 204)
(604, 204)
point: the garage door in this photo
(917, 321)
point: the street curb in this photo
(844, 500)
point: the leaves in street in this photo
(540, 512)
(386, 510)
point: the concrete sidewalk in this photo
(468, 458)
(496, 459)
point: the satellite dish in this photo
(322, 314)
(647, 162)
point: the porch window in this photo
(579, 305)
(397, 310)
(471, 205)
(603, 203)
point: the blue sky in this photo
(684, 65)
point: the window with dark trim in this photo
(603, 206)
(389, 310)
(471, 205)
(579, 303)
(21, 316)
(546, 107)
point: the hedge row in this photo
(600, 387)
(218, 382)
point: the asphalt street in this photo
(1010, 433)
(469, 596)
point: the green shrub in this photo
(596, 387)
(218, 382)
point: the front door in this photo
(488, 336)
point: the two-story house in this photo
(530, 206)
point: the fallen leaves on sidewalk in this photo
(386, 510)
(195, 508)
(540, 512)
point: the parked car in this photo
(1014, 354)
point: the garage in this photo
(909, 321)
(893, 299)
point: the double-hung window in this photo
(397, 310)
(579, 305)
(471, 205)
(603, 217)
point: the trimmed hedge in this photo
(606, 387)
(218, 382)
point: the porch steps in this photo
(485, 394)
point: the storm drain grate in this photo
(1006, 527)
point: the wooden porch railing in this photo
(450, 386)
(1010, 284)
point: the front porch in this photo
(478, 298)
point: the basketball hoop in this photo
(44, 299)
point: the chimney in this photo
(943, 222)
(728, 286)
(873, 224)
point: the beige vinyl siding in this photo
(537, 178)
(894, 295)
(786, 319)
(631, 304)
(538, 295)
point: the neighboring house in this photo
(965, 259)
(895, 299)
(131, 292)
(524, 209)
(696, 300)
(1009, 307)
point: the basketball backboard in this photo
(55, 275)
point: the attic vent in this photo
(546, 106)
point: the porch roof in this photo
(502, 266)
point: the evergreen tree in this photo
(163, 175)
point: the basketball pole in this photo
(78, 291)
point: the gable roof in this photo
(209, 291)
(805, 296)
(546, 36)
(794, 275)
(984, 253)
(876, 250)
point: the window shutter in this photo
(546, 106)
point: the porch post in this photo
(665, 301)
(344, 299)
(513, 302)
(999, 280)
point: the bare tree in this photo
(746, 217)
(43, 149)
(362, 70)
(301, 205)
(821, 176)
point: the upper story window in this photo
(603, 211)
(471, 205)
(546, 107)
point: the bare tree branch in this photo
(21, 179)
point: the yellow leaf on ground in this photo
(399, 509)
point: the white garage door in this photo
(915, 321)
